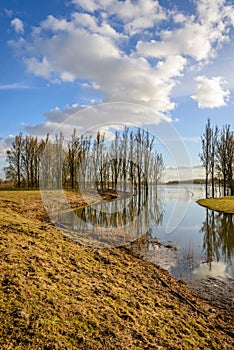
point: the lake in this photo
(192, 243)
(204, 238)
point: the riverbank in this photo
(56, 294)
(224, 204)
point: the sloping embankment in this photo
(56, 294)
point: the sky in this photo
(164, 65)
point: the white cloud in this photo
(210, 92)
(90, 23)
(198, 37)
(91, 53)
(54, 24)
(191, 40)
(103, 117)
(18, 25)
(215, 270)
(66, 76)
(171, 67)
(179, 18)
(215, 12)
(183, 173)
(121, 49)
(135, 15)
(38, 68)
(14, 86)
(139, 15)
(88, 5)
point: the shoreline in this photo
(76, 201)
(107, 298)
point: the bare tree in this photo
(230, 160)
(206, 151)
(14, 158)
(213, 149)
(157, 167)
(225, 158)
(72, 157)
(127, 159)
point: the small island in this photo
(223, 204)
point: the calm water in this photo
(204, 239)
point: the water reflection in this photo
(116, 222)
(202, 238)
(213, 269)
(218, 239)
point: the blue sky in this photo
(173, 58)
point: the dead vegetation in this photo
(56, 294)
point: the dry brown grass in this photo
(56, 294)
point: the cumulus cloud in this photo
(119, 77)
(122, 50)
(103, 117)
(210, 92)
(39, 68)
(191, 40)
(198, 37)
(18, 25)
(135, 15)
(89, 22)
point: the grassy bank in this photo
(56, 294)
(224, 204)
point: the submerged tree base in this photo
(224, 204)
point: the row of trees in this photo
(24, 159)
(217, 158)
(128, 159)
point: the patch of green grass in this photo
(224, 204)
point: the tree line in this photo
(217, 158)
(129, 159)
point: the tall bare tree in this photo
(206, 151)
(72, 157)
(225, 158)
(14, 158)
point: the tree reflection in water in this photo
(132, 216)
(218, 240)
